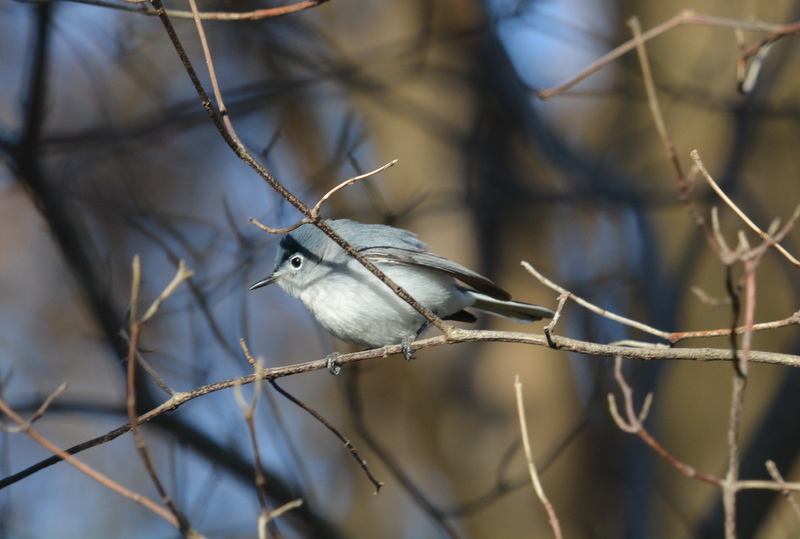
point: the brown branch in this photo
(594, 308)
(455, 336)
(265, 521)
(786, 489)
(686, 16)
(136, 325)
(684, 186)
(347, 443)
(548, 329)
(138, 7)
(672, 338)
(763, 235)
(634, 424)
(88, 470)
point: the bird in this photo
(353, 305)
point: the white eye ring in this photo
(296, 262)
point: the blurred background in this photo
(107, 152)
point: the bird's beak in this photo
(274, 278)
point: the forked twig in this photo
(672, 338)
(315, 210)
(633, 423)
(684, 184)
(594, 308)
(266, 523)
(785, 490)
(763, 235)
(136, 325)
(687, 16)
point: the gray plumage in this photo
(355, 306)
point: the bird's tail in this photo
(513, 310)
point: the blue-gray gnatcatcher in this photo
(355, 306)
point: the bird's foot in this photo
(408, 353)
(333, 366)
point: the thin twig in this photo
(634, 424)
(580, 301)
(160, 382)
(673, 338)
(763, 235)
(785, 489)
(347, 443)
(686, 16)
(288, 506)
(351, 181)
(141, 9)
(88, 470)
(47, 402)
(279, 231)
(537, 485)
(266, 523)
(684, 185)
(223, 110)
(548, 329)
(42, 409)
(136, 326)
(181, 275)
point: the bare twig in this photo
(785, 490)
(762, 484)
(266, 524)
(684, 186)
(347, 443)
(673, 338)
(706, 298)
(39, 413)
(138, 7)
(284, 230)
(88, 470)
(602, 312)
(315, 210)
(225, 128)
(47, 402)
(633, 423)
(460, 336)
(160, 382)
(548, 329)
(247, 354)
(537, 485)
(763, 235)
(181, 275)
(686, 16)
(288, 506)
(133, 346)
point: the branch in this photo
(537, 485)
(763, 235)
(24, 426)
(686, 16)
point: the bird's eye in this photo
(296, 262)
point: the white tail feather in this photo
(513, 310)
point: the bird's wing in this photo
(414, 257)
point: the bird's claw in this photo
(333, 367)
(408, 353)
